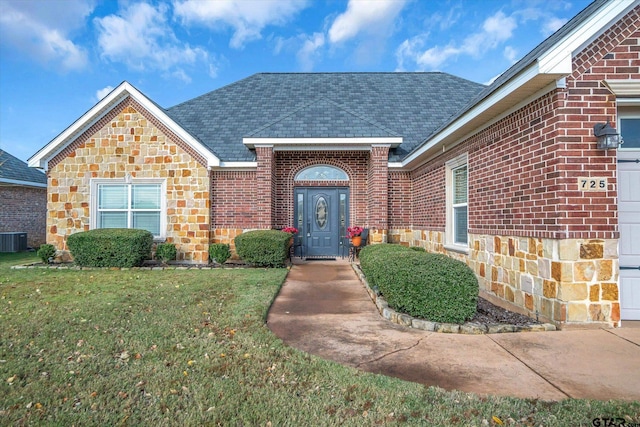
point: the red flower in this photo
(354, 231)
(290, 230)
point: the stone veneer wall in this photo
(567, 282)
(129, 141)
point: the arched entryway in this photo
(321, 211)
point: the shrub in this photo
(166, 252)
(426, 285)
(263, 248)
(219, 252)
(46, 252)
(110, 247)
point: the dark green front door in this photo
(321, 218)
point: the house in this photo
(23, 199)
(507, 177)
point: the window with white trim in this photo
(457, 202)
(129, 205)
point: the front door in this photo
(321, 218)
(629, 214)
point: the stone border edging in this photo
(451, 328)
(77, 267)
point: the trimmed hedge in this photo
(219, 252)
(166, 252)
(431, 286)
(263, 248)
(46, 252)
(110, 247)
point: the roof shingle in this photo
(304, 105)
(14, 169)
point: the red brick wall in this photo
(524, 169)
(233, 199)
(264, 201)
(378, 188)
(399, 203)
(289, 163)
(24, 209)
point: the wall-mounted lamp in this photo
(607, 136)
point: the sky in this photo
(58, 58)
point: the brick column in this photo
(378, 191)
(264, 187)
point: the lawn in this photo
(190, 348)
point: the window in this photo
(457, 206)
(629, 126)
(129, 205)
(322, 173)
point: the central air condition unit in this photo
(13, 242)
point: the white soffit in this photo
(124, 90)
(623, 87)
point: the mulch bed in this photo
(490, 314)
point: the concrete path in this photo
(323, 309)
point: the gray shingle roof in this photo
(411, 105)
(322, 118)
(14, 169)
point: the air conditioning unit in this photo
(13, 242)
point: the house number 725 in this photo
(592, 184)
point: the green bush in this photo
(263, 248)
(434, 287)
(110, 247)
(46, 252)
(166, 252)
(219, 252)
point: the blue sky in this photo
(59, 57)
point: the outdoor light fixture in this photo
(607, 136)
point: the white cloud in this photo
(495, 30)
(510, 54)
(101, 93)
(308, 53)
(140, 37)
(247, 17)
(551, 25)
(42, 32)
(364, 16)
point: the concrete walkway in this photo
(323, 309)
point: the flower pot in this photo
(356, 240)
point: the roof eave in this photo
(124, 90)
(324, 144)
(20, 183)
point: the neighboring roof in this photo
(329, 105)
(16, 172)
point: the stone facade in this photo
(127, 143)
(567, 282)
(24, 210)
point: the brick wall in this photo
(399, 199)
(130, 141)
(536, 240)
(24, 209)
(289, 163)
(378, 188)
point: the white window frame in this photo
(95, 183)
(628, 110)
(450, 231)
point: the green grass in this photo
(190, 348)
